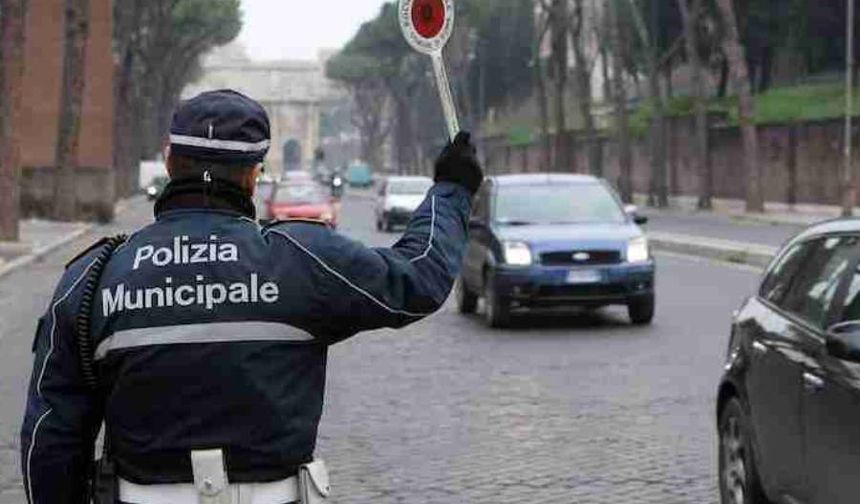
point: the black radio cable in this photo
(86, 344)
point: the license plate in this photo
(583, 276)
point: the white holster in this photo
(210, 477)
(314, 485)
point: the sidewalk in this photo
(38, 238)
(41, 237)
(728, 233)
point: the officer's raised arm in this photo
(368, 288)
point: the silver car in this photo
(398, 197)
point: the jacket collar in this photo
(194, 194)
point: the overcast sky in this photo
(289, 29)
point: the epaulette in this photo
(92, 247)
(297, 221)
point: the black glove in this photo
(458, 163)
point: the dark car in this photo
(788, 406)
(548, 240)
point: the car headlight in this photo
(637, 250)
(152, 191)
(517, 253)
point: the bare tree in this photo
(540, 84)
(558, 23)
(702, 157)
(77, 29)
(603, 35)
(659, 194)
(746, 108)
(13, 15)
(559, 26)
(370, 99)
(583, 67)
(622, 119)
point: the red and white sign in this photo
(427, 26)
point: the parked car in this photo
(548, 240)
(156, 187)
(789, 400)
(359, 175)
(301, 201)
(398, 198)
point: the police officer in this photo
(209, 333)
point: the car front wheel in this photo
(497, 310)
(739, 480)
(641, 310)
(466, 301)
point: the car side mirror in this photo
(843, 341)
(633, 212)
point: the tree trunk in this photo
(583, 88)
(746, 107)
(543, 106)
(667, 76)
(123, 124)
(77, 18)
(559, 60)
(658, 194)
(622, 119)
(702, 157)
(543, 109)
(605, 34)
(13, 16)
(723, 84)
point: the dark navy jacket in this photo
(213, 332)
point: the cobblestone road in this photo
(583, 409)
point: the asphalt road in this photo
(567, 409)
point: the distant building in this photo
(294, 94)
(43, 77)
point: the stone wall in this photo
(91, 184)
(802, 161)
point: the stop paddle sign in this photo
(427, 26)
(428, 17)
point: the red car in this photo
(301, 201)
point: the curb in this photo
(720, 250)
(10, 266)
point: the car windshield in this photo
(557, 204)
(409, 186)
(304, 194)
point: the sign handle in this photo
(444, 86)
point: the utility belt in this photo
(211, 486)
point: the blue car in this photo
(554, 240)
(359, 175)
